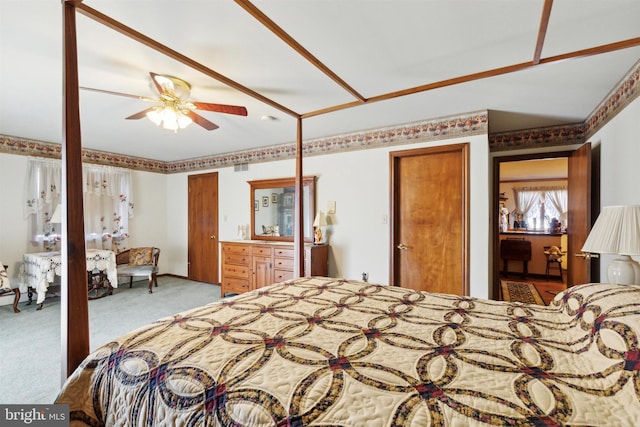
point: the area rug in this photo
(520, 292)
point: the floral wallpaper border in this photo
(475, 123)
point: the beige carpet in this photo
(520, 292)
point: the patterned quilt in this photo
(329, 352)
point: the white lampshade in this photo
(56, 218)
(617, 231)
(320, 220)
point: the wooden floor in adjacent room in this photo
(548, 288)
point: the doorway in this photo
(203, 228)
(574, 173)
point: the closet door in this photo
(430, 219)
(203, 227)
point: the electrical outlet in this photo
(331, 207)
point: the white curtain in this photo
(525, 200)
(558, 198)
(108, 204)
(42, 196)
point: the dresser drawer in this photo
(283, 263)
(261, 251)
(282, 275)
(283, 253)
(233, 258)
(239, 271)
(237, 286)
(235, 249)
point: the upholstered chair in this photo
(139, 262)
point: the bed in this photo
(322, 351)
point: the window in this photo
(108, 204)
(540, 205)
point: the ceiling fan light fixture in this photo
(169, 118)
(155, 115)
(184, 121)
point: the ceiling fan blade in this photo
(140, 114)
(156, 84)
(108, 92)
(221, 108)
(199, 120)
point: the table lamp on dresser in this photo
(617, 231)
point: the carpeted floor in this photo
(524, 292)
(30, 371)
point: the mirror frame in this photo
(307, 181)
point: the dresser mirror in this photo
(272, 208)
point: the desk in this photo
(40, 269)
(538, 262)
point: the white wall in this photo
(14, 236)
(358, 181)
(149, 225)
(619, 144)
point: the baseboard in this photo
(178, 276)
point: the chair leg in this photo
(546, 272)
(560, 268)
(150, 284)
(16, 298)
(130, 281)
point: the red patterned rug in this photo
(520, 292)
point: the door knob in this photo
(402, 247)
(212, 237)
(587, 255)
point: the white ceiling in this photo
(375, 46)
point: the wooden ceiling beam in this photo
(167, 51)
(542, 30)
(284, 36)
(597, 50)
(611, 47)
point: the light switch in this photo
(331, 207)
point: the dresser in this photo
(252, 264)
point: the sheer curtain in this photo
(42, 195)
(558, 198)
(108, 204)
(526, 199)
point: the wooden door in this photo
(430, 219)
(203, 227)
(579, 215)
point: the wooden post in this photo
(74, 323)
(298, 235)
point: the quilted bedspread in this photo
(329, 352)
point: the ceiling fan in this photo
(174, 111)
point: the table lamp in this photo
(319, 222)
(617, 231)
(56, 218)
